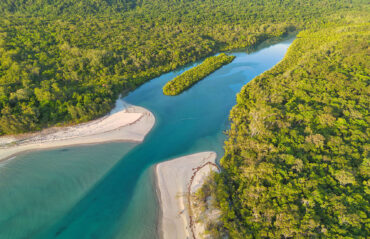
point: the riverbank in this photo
(176, 180)
(131, 124)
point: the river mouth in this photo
(107, 191)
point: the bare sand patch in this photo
(130, 124)
(175, 180)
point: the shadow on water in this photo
(123, 203)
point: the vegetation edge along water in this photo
(190, 77)
(65, 62)
(296, 160)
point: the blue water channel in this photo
(107, 190)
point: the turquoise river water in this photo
(107, 190)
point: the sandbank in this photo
(130, 124)
(176, 179)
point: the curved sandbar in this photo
(130, 124)
(175, 180)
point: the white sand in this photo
(131, 124)
(173, 179)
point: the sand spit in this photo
(176, 179)
(130, 124)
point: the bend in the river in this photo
(107, 191)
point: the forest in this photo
(296, 161)
(65, 62)
(195, 74)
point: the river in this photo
(107, 190)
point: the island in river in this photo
(192, 76)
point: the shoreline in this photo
(129, 125)
(174, 182)
(159, 200)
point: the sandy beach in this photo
(130, 124)
(175, 178)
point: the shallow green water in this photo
(106, 191)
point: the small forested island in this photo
(192, 76)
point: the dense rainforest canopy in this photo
(296, 161)
(66, 61)
(195, 74)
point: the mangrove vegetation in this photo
(192, 76)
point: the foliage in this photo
(296, 161)
(66, 61)
(192, 76)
